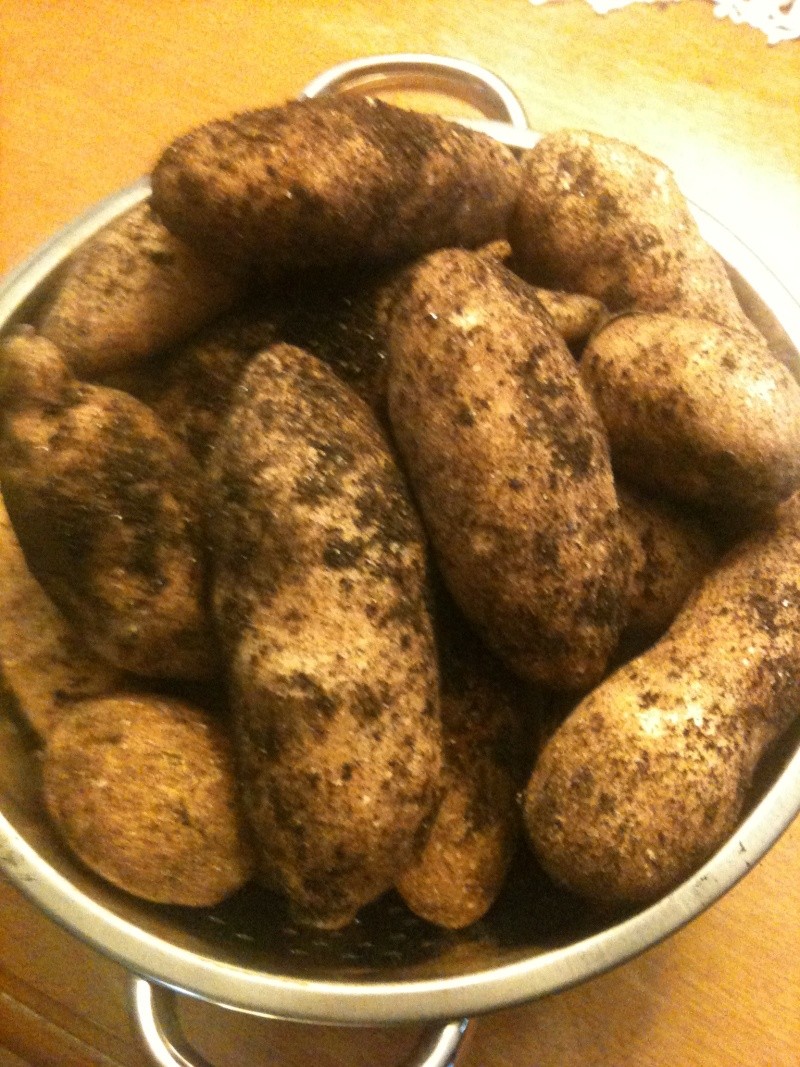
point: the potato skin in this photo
(106, 506)
(45, 667)
(700, 412)
(510, 467)
(670, 552)
(333, 181)
(598, 216)
(319, 596)
(131, 292)
(648, 776)
(487, 718)
(143, 790)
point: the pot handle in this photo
(405, 70)
(153, 1009)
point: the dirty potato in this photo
(697, 411)
(143, 790)
(601, 217)
(574, 315)
(132, 291)
(333, 181)
(45, 667)
(648, 776)
(106, 506)
(487, 720)
(670, 552)
(509, 463)
(319, 596)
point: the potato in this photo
(194, 387)
(649, 775)
(320, 600)
(133, 291)
(143, 791)
(106, 506)
(44, 665)
(509, 463)
(600, 217)
(697, 411)
(486, 719)
(670, 552)
(321, 183)
(574, 315)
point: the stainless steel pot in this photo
(388, 967)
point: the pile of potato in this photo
(339, 464)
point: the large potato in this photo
(695, 410)
(333, 181)
(44, 665)
(143, 790)
(509, 462)
(133, 291)
(319, 596)
(601, 217)
(648, 776)
(106, 506)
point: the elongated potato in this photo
(487, 718)
(601, 217)
(143, 790)
(319, 596)
(44, 665)
(700, 412)
(670, 553)
(131, 292)
(509, 463)
(333, 181)
(648, 776)
(106, 506)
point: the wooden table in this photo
(91, 91)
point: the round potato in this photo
(697, 411)
(133, 291)
(648, 776)
(509, 463)
(333, 181)
(601, 217)
(143, 790)
(106, 506)
(320, 600)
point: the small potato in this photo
(320, 600)
(486, 719)
(648, 776)
(700, 412)
(106, 506)
(143, 791)
(131, 292)
(194, 387)
(600, 217)
(574, 315)
(670, 553)
(44, 665)
(329, 182)
(509, 463)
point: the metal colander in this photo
(388, 966)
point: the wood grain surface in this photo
(90, 93)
